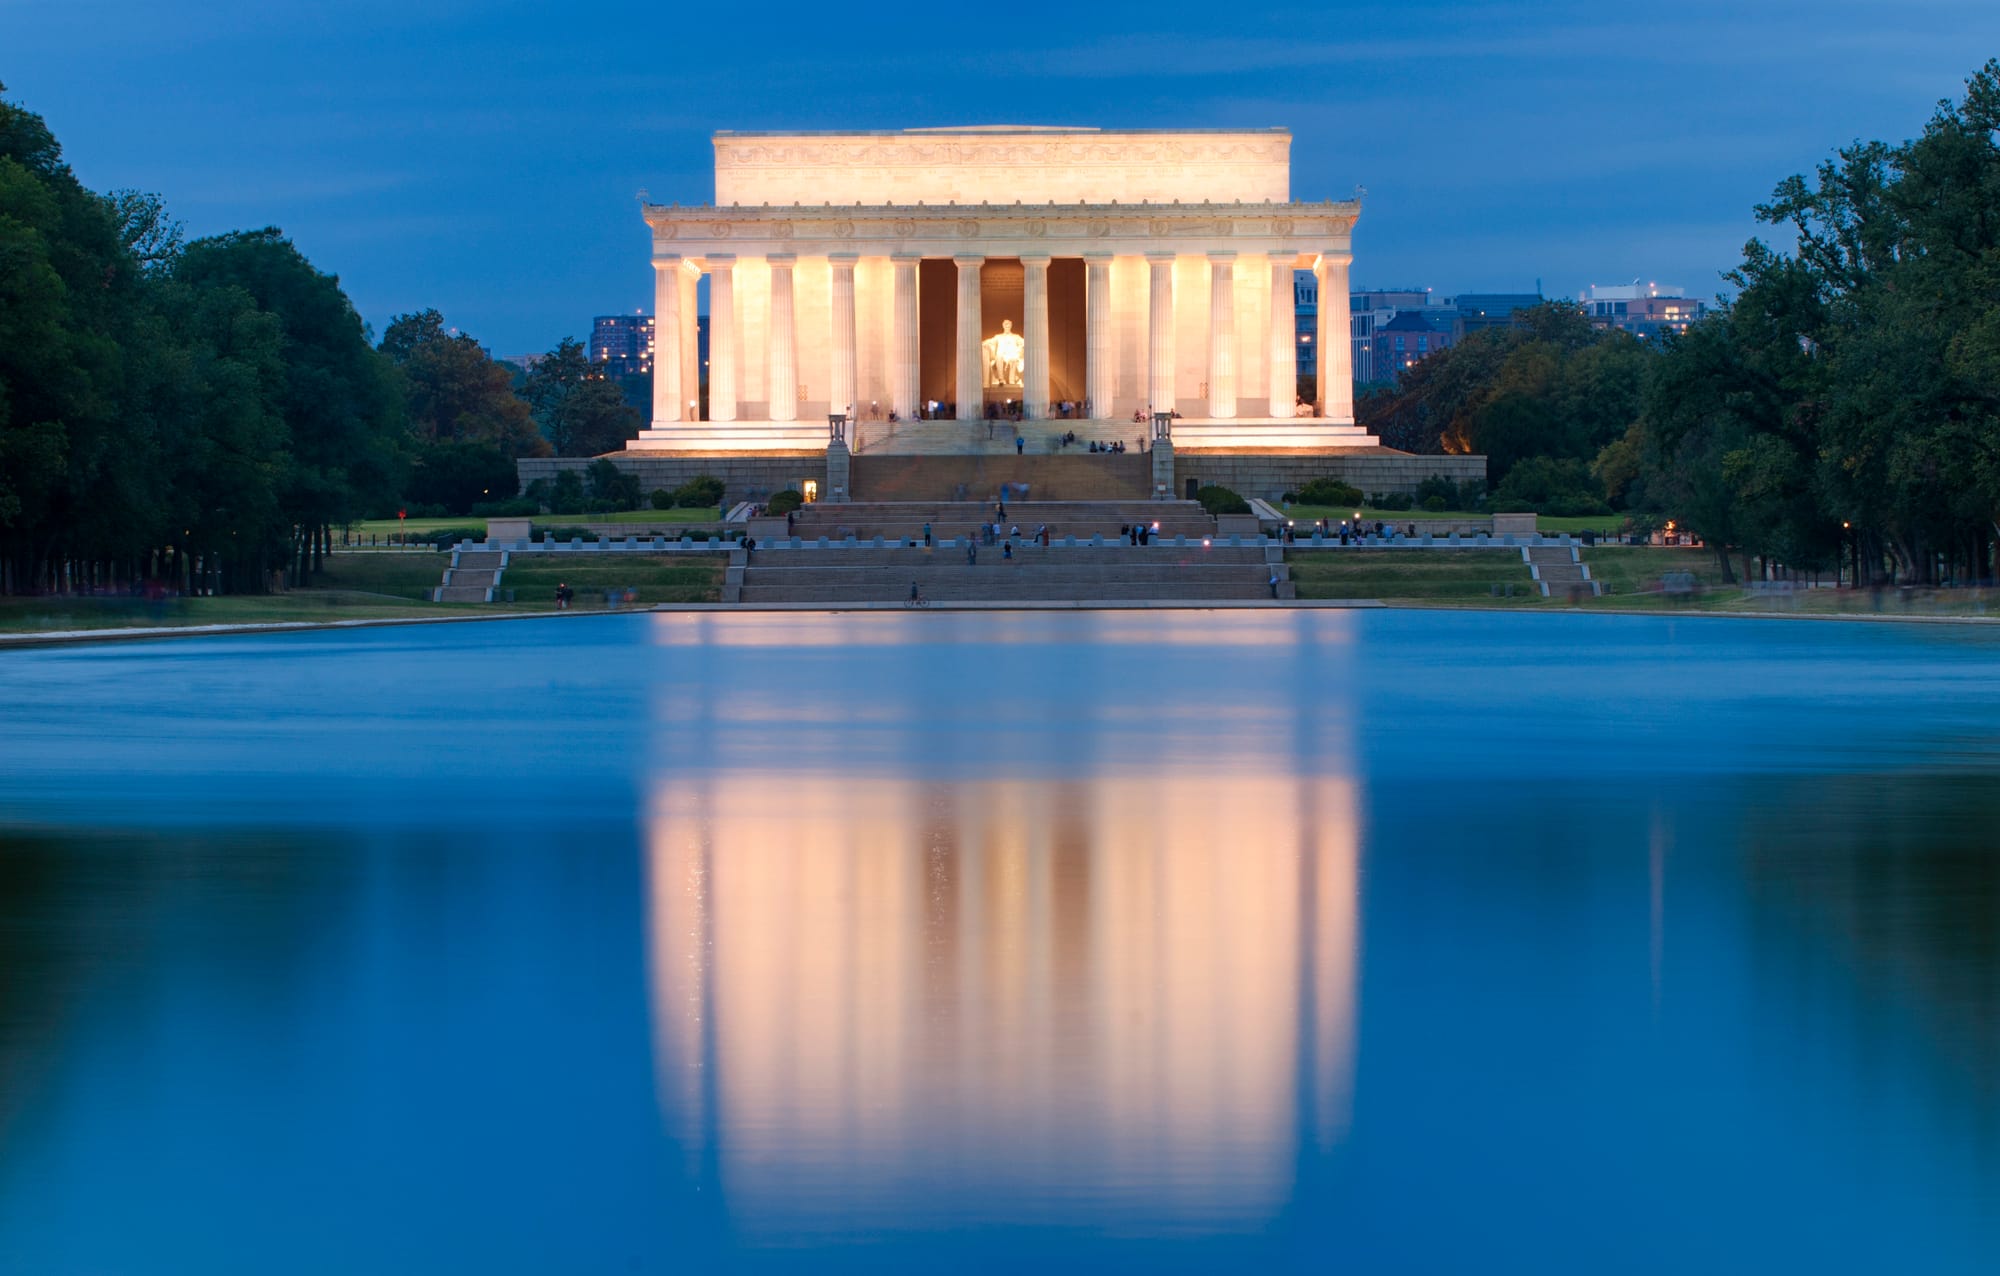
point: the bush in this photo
(1220, 500)
(1546, 485)
(566, 493)
(518, 507)
(1393, 501)
(785, 502)
(1471, 495)
(565, 534)
(1436, 504)
(446, 537)
(1329, 491)
(1440, 487)
(611, 488)
(699, 492)
(661, 499)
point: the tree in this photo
(580, 412)
(453, 393)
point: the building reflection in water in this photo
(881, 999)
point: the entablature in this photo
(1001, 230)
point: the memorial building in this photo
(903, 291)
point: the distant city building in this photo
(1644, 310)
(1394, 328)
(1478, 311)
(622, 345)
(525, 362)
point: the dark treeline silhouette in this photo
(201, 416)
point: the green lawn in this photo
(381, 527)
(408, 574)
(37, 615)
(1414, 575)
(1603, 524)
(656, 578)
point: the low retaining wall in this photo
(1270, 475)
(744, 477)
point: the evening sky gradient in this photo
(484, 158)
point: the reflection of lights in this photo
(861, 983)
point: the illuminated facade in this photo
(1146, 270)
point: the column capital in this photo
(1332, 258)
(1099, 257)
(781, 259)
(906, 259)
(843, 259)
(665, 263)
(1222, 256)
(713, 260)
(1162, 257)
(969, 259)
(1036, 259)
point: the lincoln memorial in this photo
(972, 272)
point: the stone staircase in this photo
(1110, 573)
(991, 438)
(865, 520)
(1559, 570)
(472, 577)
(1071, 475)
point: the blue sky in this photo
(485, 158)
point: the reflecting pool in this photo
(1362, 941)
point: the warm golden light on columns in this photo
(970, 388)
(841, 300)
(1336, 352)
(1222, 334)
(1035, 317)
(722, 337)
(1160, 334)
(905, 364)
(689, 353)
(1284, 387)
(1097, 335)
(783, 378)
(668, 404)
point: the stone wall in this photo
(1270, 475)
(744, 477)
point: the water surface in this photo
(1384, 941)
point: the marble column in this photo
(782, 379)
(667, 402)
(1097, 335)
(905, 363)
(1035, 318)
(690, 348)
(1284, 337)
(722, 337)
(841, 292)
(1160, 334)
(971, 381)
(1336, 349)
(1222, 335)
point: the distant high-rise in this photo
(622, 345)
(1644, 310)
(1478, 311)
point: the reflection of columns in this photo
(1284, 337)
(722, 338)
(904, 362)
(1097, 335)
(1222, 334)
(689, 353)
(1336, 351)
(667, 403)
(1035, 318)
(842, 388)
(971, 394)
(782, 383)
(1160, 359)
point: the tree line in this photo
(207, 413)
(1842, 407)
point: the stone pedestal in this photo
(1163, 469)
(839, 486)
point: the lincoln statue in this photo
(1003, 354)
